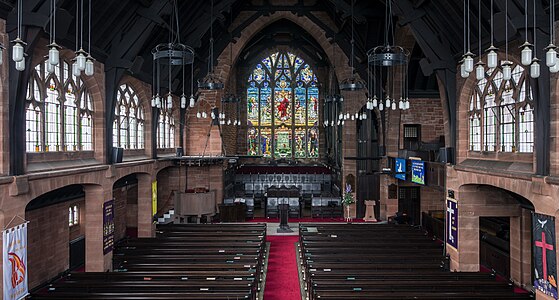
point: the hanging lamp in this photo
(352, 83)
(18, 55)
(506, 64)
(211, 81)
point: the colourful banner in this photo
(452, 222)
(418, 171)
(545, 261)
(154, 198)
(108, 226)
(15, 262)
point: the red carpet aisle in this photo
(282, 279)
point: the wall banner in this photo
(451, 222)
(154, 198)
(15, 262)
(545, 261)
(108, 226)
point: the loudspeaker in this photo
(117, 154)
(446, 155)
(180, 152)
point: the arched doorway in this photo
(495, 226)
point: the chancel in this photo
(279, 149)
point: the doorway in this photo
(409, 202)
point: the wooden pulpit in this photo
(370, 211)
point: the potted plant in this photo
(347, 201)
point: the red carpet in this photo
(282, 279)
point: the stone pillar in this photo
(146, 226)
(95, 196)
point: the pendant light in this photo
(80, 54)
(467, 65)
(492, 59)
(18, 55)
(535, 66)
(211, 81)
(352, 83)
(506, 65)
(526, 53)
(551, 55)
(54, 53)
(89, 63)
(480, 70)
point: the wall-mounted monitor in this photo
(400, 168)
(418, 172)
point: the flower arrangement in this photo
(348, 196)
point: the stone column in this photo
(95, 260)
(146, 227)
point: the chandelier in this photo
(211, 81)
(352, 83)
(169, 55)
(388, 65)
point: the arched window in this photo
(59, 111)
(166, 128)
(282, 108)
(502, 113)
(128, 126)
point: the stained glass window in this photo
(282, 108)
(59, 111)
(501, 111)
(128, 127)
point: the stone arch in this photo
(223, 68)
(36, 190)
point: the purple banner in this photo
(452, 223)
(545, 261)
(108, 226)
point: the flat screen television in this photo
(400, 168)
(418, 172)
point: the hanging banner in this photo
(15, 262)
(108, 226)
(545, 261)
(452, 222)
(154, 198)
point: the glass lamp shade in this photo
(169, 101)
(554, 68)
(468, 63)
(535, 69)
(375, 101)
(356, 114)
(364, 116)
(339, 123)
(492, 59)
(463, 72)
(387, 102)
(341, 116)
(17, 52)
(198, 115)
(50, 68)
(401, 104)
(1, 55)
(54, 56)
(352, 117)
(183, 101)
(526, 56)
(192, 101)
(81, 60)
(393, 105)
(204, 115)
(157, 101)
(75, 70)
(347, 116)
(89, 67)
(381, 107)
(341, 98)
(480, 72)
(212, 115)
(507, 72)
(407, 104)
(20, 65)
(153, 104)
(343, 123)
(551, 56)
(332, 123)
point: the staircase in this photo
(167, 218)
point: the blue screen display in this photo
(400, 169)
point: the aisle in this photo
(282, 279)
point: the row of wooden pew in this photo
(184, 261)
(369, 261)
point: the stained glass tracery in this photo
(282, 108)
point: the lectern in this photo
(284, 213)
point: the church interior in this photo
(279, 149)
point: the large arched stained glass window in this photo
(59, 111)
(282, 108)
(501, 114)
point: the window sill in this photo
(41, 157)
